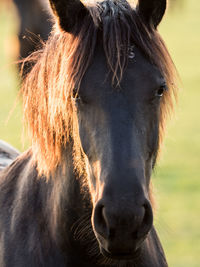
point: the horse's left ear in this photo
(152, 11)
(69, 13)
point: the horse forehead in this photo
(98, 77)
(136, 61)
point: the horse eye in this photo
(161, 90)
(78, 98)
(75, 95)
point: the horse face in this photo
(119, 132)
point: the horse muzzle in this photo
(120, 232)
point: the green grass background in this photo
(176, 178)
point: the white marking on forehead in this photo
(131, 53)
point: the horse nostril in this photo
(147, 221)
(99, 220)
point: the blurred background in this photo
(176, 178)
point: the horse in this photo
(7, 154)
(35, 27)
(95, 106)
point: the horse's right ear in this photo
(69, 13)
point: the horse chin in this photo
(121, 256)
(131, 254)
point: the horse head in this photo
(118, 121)
(120, 91)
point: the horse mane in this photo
(60, 66)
